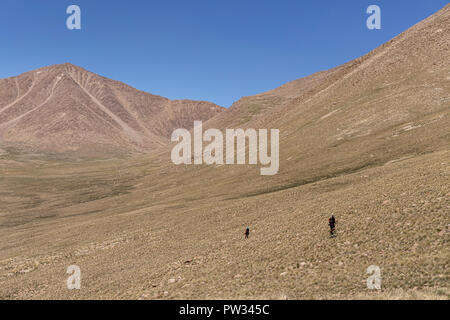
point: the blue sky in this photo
(208, 50)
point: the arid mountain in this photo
(64, 108)
(367, 141)
(389, 104)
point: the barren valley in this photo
(86, 179)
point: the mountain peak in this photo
(65, 108)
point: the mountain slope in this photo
(65, 108)
(392, 103)
(367, 141)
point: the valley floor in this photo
(395, 216)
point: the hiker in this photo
(332, 224)
(247, 232)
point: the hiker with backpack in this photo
(332, 224)
(247, 232)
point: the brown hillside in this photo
(64, 108)
(367, 141)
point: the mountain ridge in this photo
(367, 142)
(93, 112)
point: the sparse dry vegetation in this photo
(367, 141)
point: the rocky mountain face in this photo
(64, 108)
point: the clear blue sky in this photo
(213, 50)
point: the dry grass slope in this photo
(367, 141)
